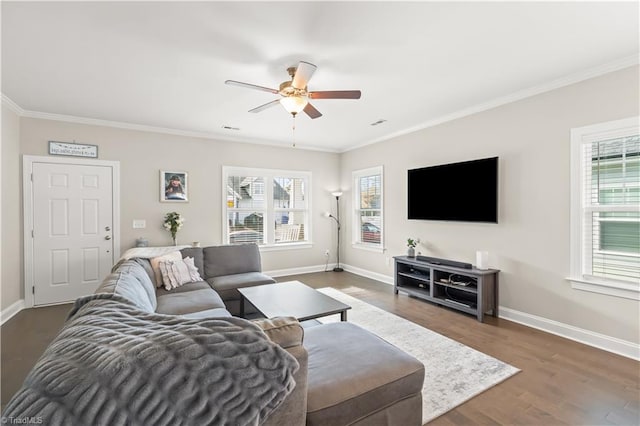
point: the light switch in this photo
(139, 223)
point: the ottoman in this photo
(357, 378)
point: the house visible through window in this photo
(368, 202)
(606, 207)
(268, 207)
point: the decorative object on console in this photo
(336, 194)
(411, 244)
(482, 259)
(142, 242)
(173, 187)
(173, 221)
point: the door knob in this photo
(106, 228)
(108, 237)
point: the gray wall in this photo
(11, 284)
(143, 154)
(530, 244)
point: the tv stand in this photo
(467, 289)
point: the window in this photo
(267, 207)
(368, 202)
(605, 208)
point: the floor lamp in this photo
(337, 219)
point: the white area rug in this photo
(454, 373)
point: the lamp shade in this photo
(294, 104)
(336, 193)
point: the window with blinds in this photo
(368, 202)
(267, 207)
(608, 174)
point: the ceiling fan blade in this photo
(311, 111)
(265, 106)
(251, 86)
(336, 94)
(303, 74)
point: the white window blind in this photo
(606, 211)
(368, 214)
(268, 207)
(612, 220)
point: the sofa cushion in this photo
(227, 285)
(188, 302)
(127, 284)
(231, 259)
(198, 285)
(354, 373)
(209, 313)
(137, 268)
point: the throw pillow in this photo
(193, 269)
(176, 255)
(168, 279)
(178, 272)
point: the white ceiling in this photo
(416, 63)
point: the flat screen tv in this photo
(463, 192)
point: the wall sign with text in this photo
(73, 149)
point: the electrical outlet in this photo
(326, 252)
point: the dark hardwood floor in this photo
(561, 382)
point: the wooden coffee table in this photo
(291, 299)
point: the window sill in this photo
(368, 247)
(286, 246)
(610, 288)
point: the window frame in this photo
(579, 279)
(356, 241)
(269, 209)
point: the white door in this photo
(73, 243)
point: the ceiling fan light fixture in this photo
(294, 104)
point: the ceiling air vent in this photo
(380, 121)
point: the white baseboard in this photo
(8, 313)
(591, 338)
(368, 274)
(297, 271)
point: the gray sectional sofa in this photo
(345, 375)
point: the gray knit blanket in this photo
(113, 364)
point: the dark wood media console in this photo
(474, 291)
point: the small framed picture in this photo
(174, 187)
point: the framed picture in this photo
(174, 187)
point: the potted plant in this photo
(172, 223)
(411, 244)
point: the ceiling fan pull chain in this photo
(293, 127)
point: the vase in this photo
(411, 252)
(175, 241)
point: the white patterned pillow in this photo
(178, 272)
(193, 270)
(176, 255)
(168, 279)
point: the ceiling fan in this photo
(294, 96)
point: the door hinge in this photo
(33, 235)
(31, 177)
(33, 290)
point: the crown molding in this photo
(162, 130)
(6, 101)
(567, 80)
